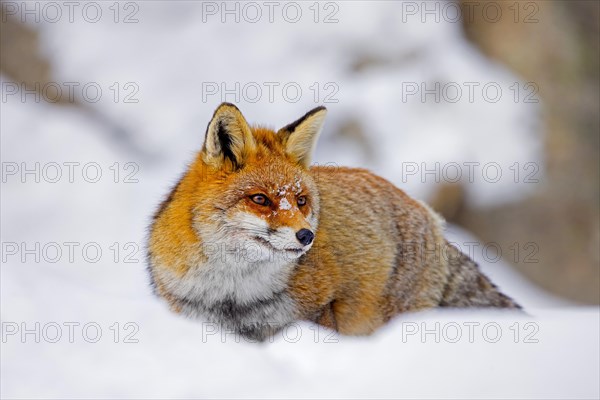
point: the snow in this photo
(169, 55)
(284, 204)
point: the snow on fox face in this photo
(269, 210)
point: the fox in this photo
(253, 237)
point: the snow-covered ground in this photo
(176, 59)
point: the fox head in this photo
(250, 188)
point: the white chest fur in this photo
(239, 289)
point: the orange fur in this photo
(376, 252)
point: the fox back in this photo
(254, 238)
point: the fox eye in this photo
(260, 199)
(301, 201)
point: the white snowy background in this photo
(171, 53)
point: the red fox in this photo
(254, 238)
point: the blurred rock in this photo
(554, 236)
(21, 58)
(23, 62)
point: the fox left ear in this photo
(300, 137)
(228, 138)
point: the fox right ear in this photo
(228, 139)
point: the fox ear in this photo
(300, 137)
(228, 138)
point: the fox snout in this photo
(305, 236)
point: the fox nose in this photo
(305, 236)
